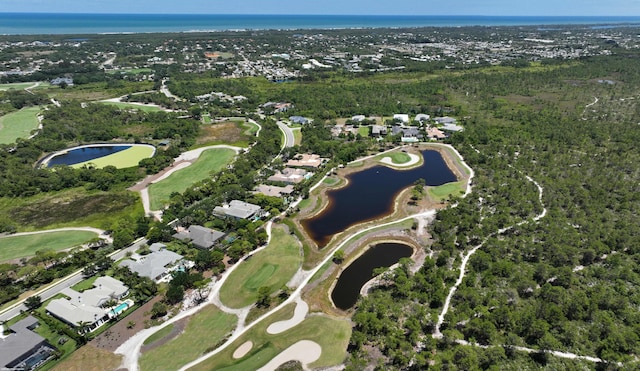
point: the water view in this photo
(82, 154)
(347, 289)
(370, 195)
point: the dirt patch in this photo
(111, 339)
(90, 358)
(178, 328)
(225, 132)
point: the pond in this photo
(347, 290)
(82, 154)
(370, 194)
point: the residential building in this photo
(156, 265)
(274, 191)
(378, 130)
(300, 120)
(201, 237)
(22, 348)
(403, 118)
(306, 160)
(86, 309)
(238, 209)
(435, 133)
(422, 117)
(289, 175)
(358, 118)
(62, 80)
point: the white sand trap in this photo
(414, 160)
(298, 316)
(304, 351)
(243, 350)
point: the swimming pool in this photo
(119, 309)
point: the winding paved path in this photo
(289, 138)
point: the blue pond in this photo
(83, 154)
(370, 194)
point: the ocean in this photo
(58, 23)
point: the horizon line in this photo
(337, 15)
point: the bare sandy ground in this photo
(305, 351)
(414, 160)
(302, 308)
(243, 350)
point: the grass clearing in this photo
(74, 207)
(121, 160)
(330, 333)
(16, 86)
(442, 192)
(205, 330)
(212, 160)
(14, 247)
(18, 124)
(297, 137)
(160, 334)
(141, 107)
(250, 128)
(89, 358)
(397, 157)
(364, 131)
(85, 285)
(271, 267)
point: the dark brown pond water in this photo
(347, 290)
(370, 195)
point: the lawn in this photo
(297, 136)
(331, 334)
(18, 124)
(250, 128)
(14, 247)
(212, 160)
(143, 108)
(123, 159)
(272, 267)
(397, 157)
(205, 330)
(364, 131)
(89, 358)
(442, 192)
(85, 284)
(159, 334)
(16, 86)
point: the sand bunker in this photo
(243, 350)
(298, 316)
(414, 160)
(304, 351)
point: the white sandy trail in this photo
(305, 351)
(302, 308)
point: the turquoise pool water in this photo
(120, 308)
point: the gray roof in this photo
(202, 237)
(274, 191)
(20, 343)
(238, 209)
(73, 314)
(152, 265)
(445, 120)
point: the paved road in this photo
(66, 282)
(290, 140)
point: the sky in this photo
(349, 7)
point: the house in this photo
(300, 120)
(435, 133)
(62, 80)
(403, 118)
(422, 117)
(406, 131)
(378, 130)
(157, 265)
(87, 308)
(23, 349)
(201, 237)
(358, 118)
(238, 209)
(306, 160)
(289, 175)
(445, 120)
(274, 191)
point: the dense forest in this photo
(568, 282)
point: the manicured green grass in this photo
(143, 108)
(363, 131)
(207, 119)
(330, 181)
(250, 129)
(297, 137)
(397, 157)
(15, 86)
(271, 267)
(331, 334)
(442, 192)
(205, 330)
(13, 247)
(85, 285)
(133, 71)
(212, 160)
(18, 124)
(160, 334)
(123, 159)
